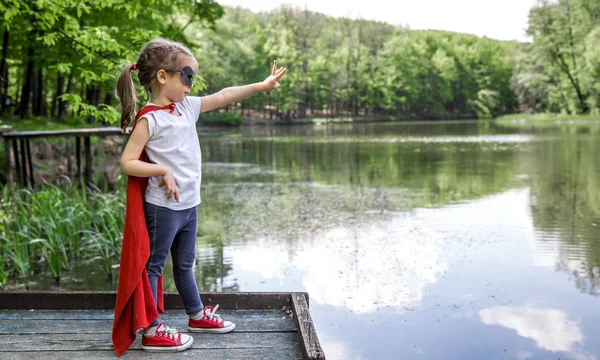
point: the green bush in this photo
(221, 119)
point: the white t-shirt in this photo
(174, 142)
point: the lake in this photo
(455, 240)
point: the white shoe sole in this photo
(222, 330)
(181, 347)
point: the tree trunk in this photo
(92, 95)
(61, 103)
(26, 90)
(574, 79)
(37, 100)
(60, 84)
(4, 72)
(108, 98)
(97, 95)
(18, 95)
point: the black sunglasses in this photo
(187, 74)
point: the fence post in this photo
(78, 154)
(88, 160)
(15, 147)
(8, 163)
(28, 149)
(68, 151)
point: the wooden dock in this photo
(77, 325)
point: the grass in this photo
(43, 124)
(564, 122)
(56, 227)
(548, 118)
(51, 228)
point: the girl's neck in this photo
(160, 100)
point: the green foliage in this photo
(343, 67)
(558, 71)
(221, 119)
(74, 50)
(565, 123)
(39, 123)
(57, 226)
(488, 104)
(336, 67)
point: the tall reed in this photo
(57, 226)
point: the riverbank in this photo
(319, 120)
(565, 122)
(520, 121)
(219, 121)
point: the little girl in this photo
(163, 161)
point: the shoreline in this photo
(549, 121)
(512, 120)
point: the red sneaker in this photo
(166, 340)
(210, 322)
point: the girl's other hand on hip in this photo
(172, 190)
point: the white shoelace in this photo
(172, 333)
(213, 313)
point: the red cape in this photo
(135, 306)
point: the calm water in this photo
(414, 241)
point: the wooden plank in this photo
(108, 314)
(88, 160)
(81, 326)
(212, 354)
(99, 342)
(28, 149)
(80, 333)
(311, 347)
(78, 156)
(68, 151)
(23, 162)
(61, 133)
(17, 165)
(8, 162)
(106, 300)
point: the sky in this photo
(503, 20)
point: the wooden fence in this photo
(19, 167)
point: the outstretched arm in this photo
(236, 93)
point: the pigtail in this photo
(156, 54)
(126, 94)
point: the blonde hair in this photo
(157, 54)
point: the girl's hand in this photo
(271, 82)
(172, 190)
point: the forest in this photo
(60, 60)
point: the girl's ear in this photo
(161, 76)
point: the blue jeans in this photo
(173, 230)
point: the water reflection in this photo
(367, 260)
(565, 198)
(453, 241)
(346, 267)
(551, 329)
(344, 223)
